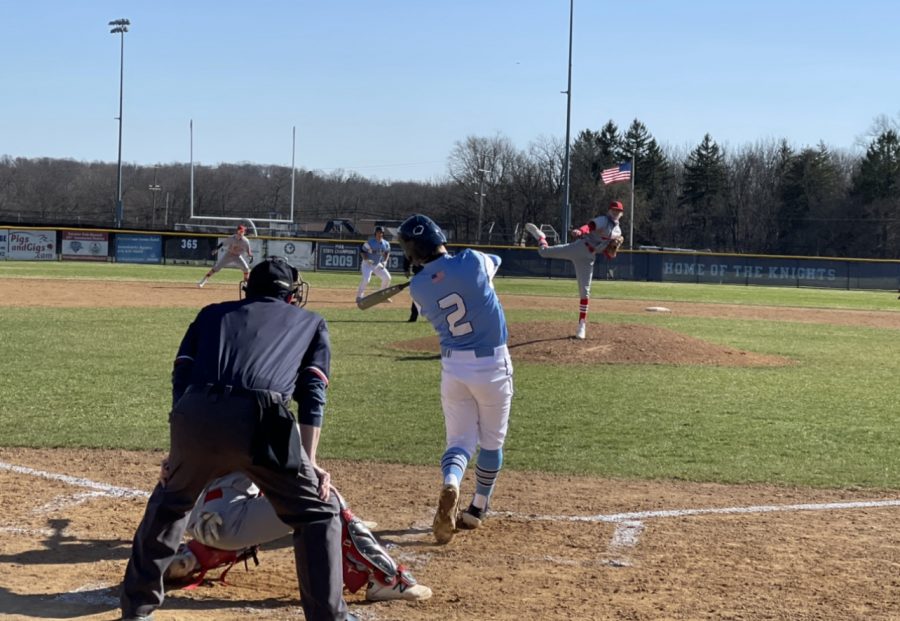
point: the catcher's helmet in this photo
(420, 238)
(275, 277)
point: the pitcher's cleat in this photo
(582, 330)
(537, 233)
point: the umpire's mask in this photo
(276, 278)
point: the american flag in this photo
(622, 172)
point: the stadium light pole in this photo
(567, 210)
(120, 27)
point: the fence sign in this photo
(85, 246)
(32, 245)
(342, 257)
(138, 248)
(299, 254)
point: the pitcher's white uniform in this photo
(590, 240)
(595, 237)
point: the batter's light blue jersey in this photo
(457, 296)
(374, 250)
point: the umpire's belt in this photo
(478, 352)
(265, 397)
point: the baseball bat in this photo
(380, 296)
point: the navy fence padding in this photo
(711, 269)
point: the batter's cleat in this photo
(537, 233)
(582, 330)
(202, 282)
(137, 617)
(445, 519)
(471, 518)
(377, 592)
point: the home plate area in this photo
(556, 547)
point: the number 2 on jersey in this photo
(453, 319)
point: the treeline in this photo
(766, 198)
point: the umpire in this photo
(239, 364)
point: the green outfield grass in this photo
(663, 292)
(100, 378)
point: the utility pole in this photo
(481, 203)
(155, 189)
(120, 27)
(166, 213)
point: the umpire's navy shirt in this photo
(258, 343)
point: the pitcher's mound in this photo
(553, 342)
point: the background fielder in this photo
(456, 294)
(236, 247)
(600, 235)
(375, 253)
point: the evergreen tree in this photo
(811, 192)
(703, 194)
(876, 191)
(650, 172)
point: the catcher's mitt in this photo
(612, 248)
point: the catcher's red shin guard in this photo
(365, 560)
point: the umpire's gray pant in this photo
(211, 435)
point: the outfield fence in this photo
(73, 244)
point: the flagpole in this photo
(567, 207)
(631, 215)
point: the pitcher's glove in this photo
(612, 248)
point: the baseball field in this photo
(735, 457)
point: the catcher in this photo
(601, 235)
(232, 519)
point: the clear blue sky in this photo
(386, 87)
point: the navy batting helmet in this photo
(420, 238)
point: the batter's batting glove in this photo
(576, 233)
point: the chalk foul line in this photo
(107, 490)
(647, 515)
